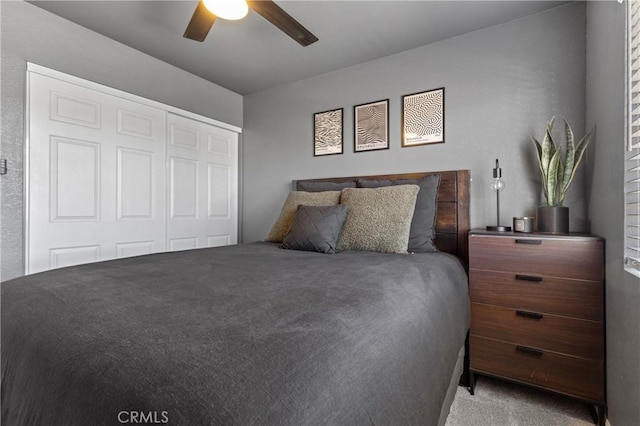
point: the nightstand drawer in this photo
(578, 377)
(569, 336)
(574, 298)
(553, 257)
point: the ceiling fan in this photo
(208, 10)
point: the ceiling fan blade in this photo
(285, 22)
(200, 24)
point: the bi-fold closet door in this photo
(111, 176)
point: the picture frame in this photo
(423, 118)
(328, 132)
(371, 126)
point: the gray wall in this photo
(605, 108)
(502, 84)
(32, 34)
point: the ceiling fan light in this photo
(228, 9)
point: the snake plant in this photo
(558, 168)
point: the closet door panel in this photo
(96, 176)
(219, 191)
(184, 188)
(75, 180)
(134, 184)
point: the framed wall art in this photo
(423, 118)
(371, 126)
(328, 132)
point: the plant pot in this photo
(553, 220)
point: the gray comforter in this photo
(248, 334)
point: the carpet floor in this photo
(499, 403)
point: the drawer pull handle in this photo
(529, 351)
(533, 242)
(531, 278)
(528, 314)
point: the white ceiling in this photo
(251, 55)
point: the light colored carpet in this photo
(499, 403)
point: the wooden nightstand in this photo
(537, 312)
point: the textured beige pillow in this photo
(378, 219)
(281, 227)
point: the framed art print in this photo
(328, 132)
(423, 118)
(371, 126)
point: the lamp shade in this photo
(228, 9)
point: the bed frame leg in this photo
(472, 383)
(597, 414)
(465, 378)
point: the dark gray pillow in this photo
(422, 231)
(316, 228)
(294, 199)
(324, 186)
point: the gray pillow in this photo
(422, 231)
(316, 228)
(378, 219)
(324, 186)
(281, 226)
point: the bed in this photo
(249, 334)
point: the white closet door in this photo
(96, 176)
(203, 184)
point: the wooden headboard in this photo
(452, 216)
